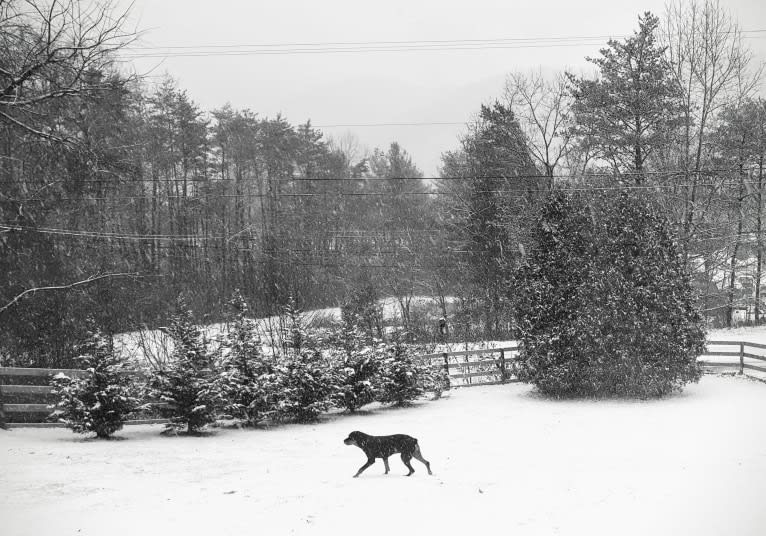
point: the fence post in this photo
(503, 374)
(446, 369)
(742, 358)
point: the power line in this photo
(522, 191)
(373, 46)
(678, 173)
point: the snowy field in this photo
(505, 462)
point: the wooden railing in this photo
(29, 391)
(471, 367)
(30, 395)
(740, 354)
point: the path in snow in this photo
(504, 460)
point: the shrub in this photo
(604, 305)
(101, 401)
(187, 383)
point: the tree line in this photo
(118, 196)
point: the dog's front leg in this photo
(385, 462)
(370, 461)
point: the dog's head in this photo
(353, 438)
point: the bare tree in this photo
(711, 67)
(53, 49)
(542, 108)
(350, 147)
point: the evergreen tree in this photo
(402, 378)
(358, 376)
(248, 379)
(101, 401)
(633, 107)
(490, 211)
(604, 305)
(305, 386)
(188, 383)
(305, 380)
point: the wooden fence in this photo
(494, 365)
(736, 354)
(25, 393)
(486, 366)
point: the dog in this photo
(385, 446)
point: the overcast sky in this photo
(373, 87)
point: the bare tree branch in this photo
(87, 281)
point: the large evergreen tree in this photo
(488, 209)
(604, 304)
(631, 109)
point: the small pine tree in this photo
(358, 376)
(101, 401)
(248, 380)
(402, 378)
(295, 336)
(305, 382)
(605, 305)
(187, 383)
(305, 385)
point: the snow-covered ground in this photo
(746, 334)
(505, 462)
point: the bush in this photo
(247, 382)
(604, 305)
(102, 401)
(187, 383)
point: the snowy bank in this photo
(504, 460)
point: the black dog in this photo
(385, 446)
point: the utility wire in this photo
(437, 192)
(677, 173)
(373, 46)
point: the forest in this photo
(119, 196)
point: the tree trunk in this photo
(735, 252)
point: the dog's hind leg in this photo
(419, 456)
(370, 461)
(406, 459)
(385, 462)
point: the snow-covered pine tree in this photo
(248, 380)
(187, 383)
(359, 368)
(305, 380)
(295, 336)
(604, 305)
(402, 378)
(305, 385)
(100, 402)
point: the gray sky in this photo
(412, 86)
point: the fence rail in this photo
(464, 368)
